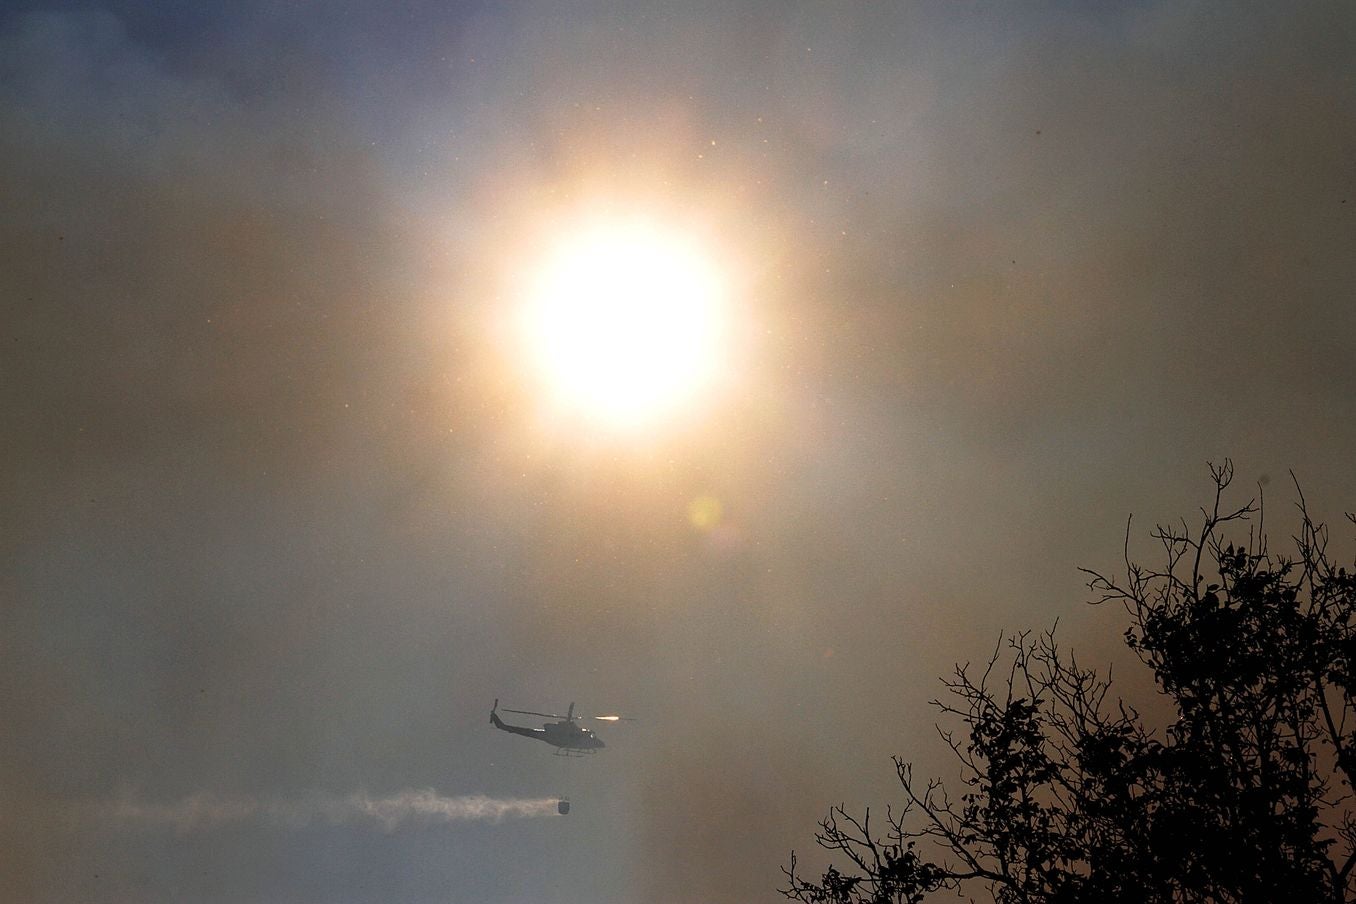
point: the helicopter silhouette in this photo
(567, 735)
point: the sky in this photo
(285, 508)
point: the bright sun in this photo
(626, 322)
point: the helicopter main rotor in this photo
(569, 716)
(528, 712)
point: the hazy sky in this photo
(282, 513)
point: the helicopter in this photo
(567, 735)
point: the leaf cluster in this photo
(1241, 792)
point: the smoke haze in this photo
(276, 516)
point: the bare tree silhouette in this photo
(1242, 794)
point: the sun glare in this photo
(625, 322)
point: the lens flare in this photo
(704, 512)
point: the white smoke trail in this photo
(391, 811)
(206, 810)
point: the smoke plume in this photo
(205, 810)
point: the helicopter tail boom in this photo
(516, 729)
